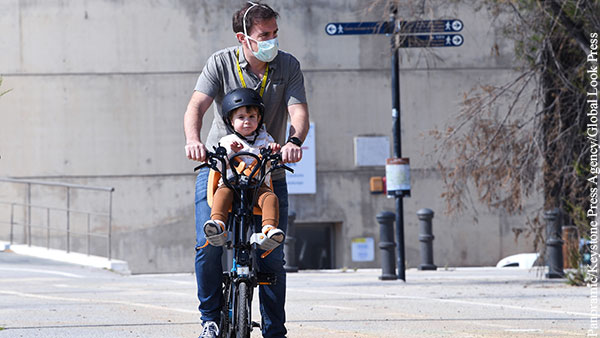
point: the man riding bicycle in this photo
(257, 64)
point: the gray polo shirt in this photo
(285, 86)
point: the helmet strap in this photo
(246, 139)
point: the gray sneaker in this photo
(214, 231)
(210, 329)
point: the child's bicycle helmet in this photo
(241, 97)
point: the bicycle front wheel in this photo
(243, 311)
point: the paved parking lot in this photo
(41, 298)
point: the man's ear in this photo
(240, 37)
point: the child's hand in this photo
(275, 147)
(236, 146)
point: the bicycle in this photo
(239, 283)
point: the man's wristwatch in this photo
(295, 141)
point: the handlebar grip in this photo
(286, 168)
(203, 165)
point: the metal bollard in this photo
(554, 244)
(289, 248)
(426, 238)
(387, 245)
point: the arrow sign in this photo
(430, 26)
(358, 28)
(436, 40)
(404, 27)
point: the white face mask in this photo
(267, 50)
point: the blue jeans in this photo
(209, 270)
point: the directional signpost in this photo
(411, 34)
(430, 26)
(354, 28)
(437, 40)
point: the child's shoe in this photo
(269, 238)
(273, 233)
(214, 231)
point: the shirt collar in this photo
(242, 57)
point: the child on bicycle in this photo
(242, 112)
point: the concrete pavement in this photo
(42, 298)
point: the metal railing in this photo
(68, 211)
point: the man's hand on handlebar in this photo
(195, 151)
(291, 153)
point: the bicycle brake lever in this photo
(265, 151)
(220, 150)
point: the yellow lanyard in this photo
(239, 69)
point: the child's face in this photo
(245, 120)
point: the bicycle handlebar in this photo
(220, 155)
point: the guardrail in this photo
(66, 228)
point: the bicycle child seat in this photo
(213, 183)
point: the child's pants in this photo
(267, 202)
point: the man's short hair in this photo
(258, 13)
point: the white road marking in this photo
(95, 301)
(336, 307)
(159, 279)
(62, 286)
(525, 330)
(441, 300)
(50, 272)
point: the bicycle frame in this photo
(243, 270)
(240, 281)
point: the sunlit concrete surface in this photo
(42, 298)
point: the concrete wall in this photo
(100, 87)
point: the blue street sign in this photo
(404, 27)
(435, 40)
(354, 28)
(430, 26)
